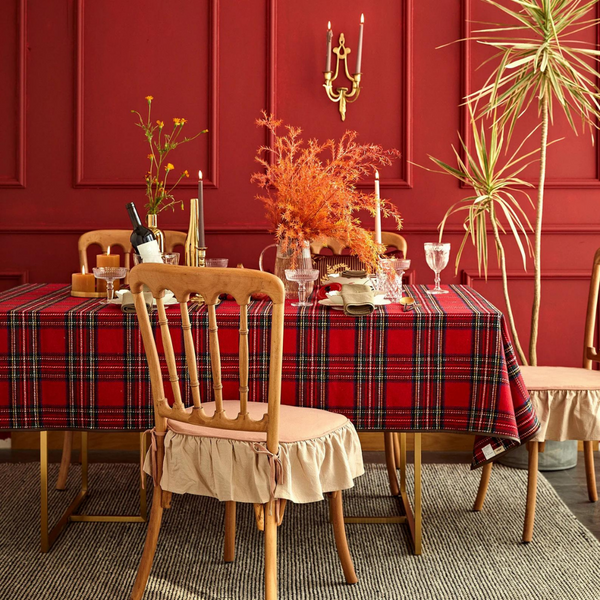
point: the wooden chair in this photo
(105, 238)
(389, 238)
(567, 402)
(269, 429)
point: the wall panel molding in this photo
(212, 179)
(19, 277)
(576, 229)
(468, 276)
(465, 86)
(406, 143)
(19, 179)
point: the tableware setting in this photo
(109, 274)
(437, 256)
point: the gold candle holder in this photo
(342, 94)
(202, 257)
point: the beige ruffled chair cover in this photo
(319, 452)
(566, 401)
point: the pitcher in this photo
(283, 261)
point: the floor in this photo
(570, 484)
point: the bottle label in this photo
(150, 252)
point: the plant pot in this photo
(283, 261)
(557, 456)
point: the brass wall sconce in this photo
(343, 95)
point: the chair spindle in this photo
(169, 353)
(244, 359)
(190, 354)
(215, 358)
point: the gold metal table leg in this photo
(413, 519)
(49, 536)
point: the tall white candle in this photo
(201, 239)
(360, 44)
(329, 38)
(378, 210)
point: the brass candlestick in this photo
(341, 94)
(195, 255)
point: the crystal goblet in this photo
(302, 277)
(437, 255)
(389, 278)
(109, 274)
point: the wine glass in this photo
(109, 274)
(302, 277)
(390, 277)
(437, 256)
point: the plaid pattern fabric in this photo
(447, 366)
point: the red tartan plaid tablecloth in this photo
(71, 363)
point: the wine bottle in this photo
(142, 239)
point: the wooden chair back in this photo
(209, 283)
(388, 238)
(120, 238)
(589, 350)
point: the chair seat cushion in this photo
(566, 401)
(320, 452)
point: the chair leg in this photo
(229, 552)
(532, 474)
(270, 552)
(149, 547)
(65, 461)
(588, 454)
(390, 462)
(486, 472)
(339, 532)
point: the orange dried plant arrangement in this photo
(310, 190)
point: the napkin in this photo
(359, 273)
(128, 303)
(358, 300)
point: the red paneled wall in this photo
(71, 157)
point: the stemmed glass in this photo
(302, 277)
(109, 274)
(389, 278)
(437, 256)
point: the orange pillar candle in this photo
(107, 260)
(83, 282)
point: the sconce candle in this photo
(329, 39)
(360, 44)
(378, 210)
(201, 240)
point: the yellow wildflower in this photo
(183, 120)
(150, 156)
(161, 124)
(169, 167)
(149, 98)
(186, 173)
(177, 121)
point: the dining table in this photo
(446, 365)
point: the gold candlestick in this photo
(195, 255)
(341, 94)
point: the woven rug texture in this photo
(465, 556)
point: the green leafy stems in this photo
(541, 62)
(495, 199)
(160, 195)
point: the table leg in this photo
(413, 519)
(49, 536)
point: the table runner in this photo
(448, 365)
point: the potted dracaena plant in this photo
(541, 62)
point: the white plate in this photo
(336, 296)
(168, 299)
(378, 301)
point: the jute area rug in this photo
(466, 555)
